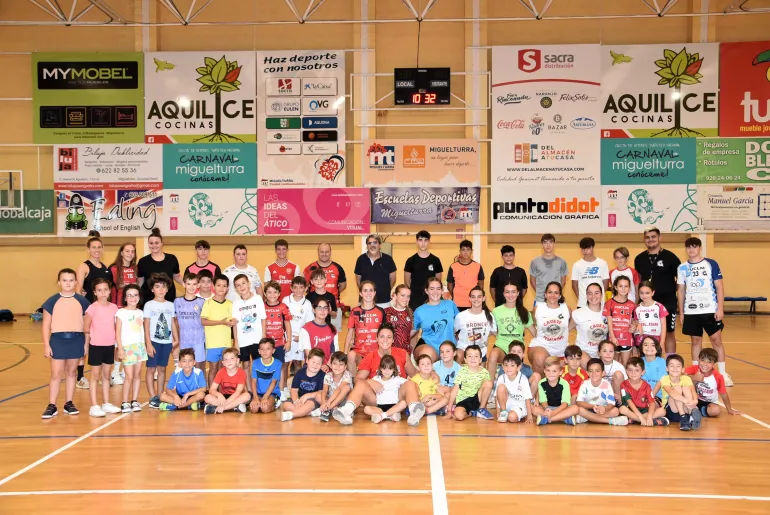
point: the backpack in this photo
(6, 315)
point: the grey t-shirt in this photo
(545, 271)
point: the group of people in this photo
(243, 344)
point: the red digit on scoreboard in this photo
(430, 98)
(416, 98)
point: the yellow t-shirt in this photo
(217, 336)
(684, 382)
(426, 386)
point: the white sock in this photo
(721, 367)
(411, 407)
(116, 368)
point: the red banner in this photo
(744, 82)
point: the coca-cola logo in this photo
(576, 97)
(512, 98)
(510, 124)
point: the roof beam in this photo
(172, 8)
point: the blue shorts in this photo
(162, 353)
(215, 355)
(280, 354)
(67, 345)
(199, 348)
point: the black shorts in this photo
(227, 396)
(472, 403)
(703, 407)
(671, 416)
(461, 309)
(385, 407)
(670, 322)
(250, 352)
(99, 355)
(694, 325)
(279, 354)
(622, 348)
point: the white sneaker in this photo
(316, 413)
(728, 380)
(285, 394)
(286, 416)
(116, 380)
(110, 408)
(377, 418)
(83, 383)
(96, 411)
(395, 417)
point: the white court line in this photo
(615, 494)
(747, 417)
(438, 486)
(63, 448)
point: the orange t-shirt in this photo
(464, 277)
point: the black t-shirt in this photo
(502, 276)
(148, 266)
(377, 272)
(661, 269)
(94, 273)
(421, 269)
(328, 297)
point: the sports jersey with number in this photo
(401, 320)
(282, 274)
(365, 323)
(621, 314)
(650, 317)
(274, 322)
(700, 291)
(335, 275)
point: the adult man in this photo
(241, 266)
(464, 275)
(701, 302)
(419, 268)
(282, 270)
(660, 266)
(336, 281)
(375, 266)
(547, 268)
(509, 272)
(589, 269)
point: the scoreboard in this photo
(422, 86)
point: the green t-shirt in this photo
(470, 382)
(509, 326)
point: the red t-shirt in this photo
(282, 275)
(642, 398)
(321, 337)
(128, 277)
(711, 386)
(621, 314)
(402, 322)
(227, 383)
(372, 362)
(365, 323)
(274, 323)
(574, 381)
(334, 276)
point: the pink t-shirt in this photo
(102, 324)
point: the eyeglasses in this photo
(132, 296)
(323, 308)
(375, 242)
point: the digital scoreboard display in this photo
(421, 86)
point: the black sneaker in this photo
(70, 408)
(684, 423)
(125, 407)
(50, 411)
(155, 402)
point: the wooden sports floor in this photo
(244, 463)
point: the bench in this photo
(752, 306)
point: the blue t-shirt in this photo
(447, 375)
(700, 291)
(188, 316)
(185, 384)
(264, 373)
(653, 372)
(437, 322)
(526, 371)
(306, 384)
(160, 315)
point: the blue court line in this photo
(34, 390)
(747, 362)
(555, 437)
(205, 435)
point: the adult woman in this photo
(158, 262)
(590, 323)
(363, 325)
(511, 319)
(552, 320)
(123, 271)
(436, 320)
(400, 317)
(474, 325)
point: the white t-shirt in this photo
(301, 313)
(552, 328)
(232, 272)
(160, 315)
(249, 314)
(390, 394)
(585, 273)
(609, 370)
(650, 317)
(591, 330)
(132, 328)
(474, 330)
(518, 388)
(601, 395)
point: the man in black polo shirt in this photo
(660, 266)
(419, 268)
(377, 267)
(509, 272)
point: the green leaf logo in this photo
(217, 77)
(677, 70)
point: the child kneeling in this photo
(228, 391)
(186, 387)
(595, 399)
(554, 396)
(306, 389)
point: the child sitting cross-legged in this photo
(554, 396)
(306, 392)
(186, 387)
(426, 380)
(228, 391)
(639, 404)
(595, 399)
(710, 385)
(513, 392)
(472, 388)
(679, 396)
(337, 384)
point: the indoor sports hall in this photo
(454, 167)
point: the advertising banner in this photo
(425, 205)
(545, 115)
(35, 218)
(632, 208)
(660, 91)
(229, 166)
(111, 211)
(644, 161)
(396, 162)
(200, 97)
(107, 165)
(209, 211)
(733, 160)
(734, 203)
(301, 118)
(744, 89)
(94, 97)
(536, 210)
(314, 211)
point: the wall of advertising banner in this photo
(425, 205)
(400, 162)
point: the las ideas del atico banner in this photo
(545, 115)
(660, 91)
(200, 97)
(744, 89)
(301, 118)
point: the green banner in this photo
(210, 166)
(35, 218)
(733, 160)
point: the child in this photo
(474, 325)
(614, 371)
(572, 373)
(249, 313)
(650, 315)
(160, 335)
(430, 395)
(228, 390)
(517, 347)
(446, 367)
(318, 280)
(99, 327)
(472, 388)
(129, 336)
(679, 396)
(654, 366)
(188, 310)
(595, 400)
(306, 389)
(64, 340)
(553, 396)
(319, 333)
(301, 313)
(278, 327)
(619, 311)
(123, 272)
(639, 404)
(709, 384)
(337, 384)
(623, 270)
(205, 284)
(386, 383)
(513, 392)
(217, 319)
(265, 374)
(187, 386)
